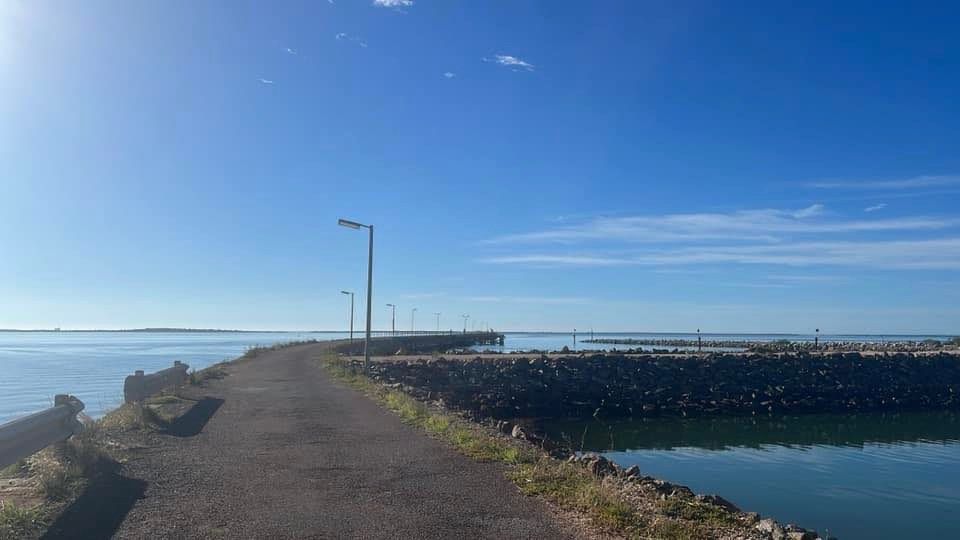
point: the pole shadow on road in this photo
(193, 421)
(100, 510)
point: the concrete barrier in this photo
(138, 387)
(23, 437)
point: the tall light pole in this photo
(366, 343)
(438, 322)
(412, 313)
(465, 317)
(393, 318)
(351, 312)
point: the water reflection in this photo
(755, 432)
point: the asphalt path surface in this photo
(277, 449)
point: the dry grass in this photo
(20, 522)
(567, 485)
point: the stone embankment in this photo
(647, 385)
(782, 346)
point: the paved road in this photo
(288, 453)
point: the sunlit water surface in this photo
(864, 476)
(34, 366)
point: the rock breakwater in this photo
(647, 385)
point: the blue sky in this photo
(538, 165)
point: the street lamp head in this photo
(350, 224)
(345, 292)
(391, 305)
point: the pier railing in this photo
(138, 387)
(22, 437)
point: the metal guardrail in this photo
(138, 387)
(22, 437)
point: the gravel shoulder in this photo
(278, 450)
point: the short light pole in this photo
(351, 313)
(438, 321)
(465, 317)
(366, 343)
(412, 313)
(574, 338)
(816, 340)
(699, 343)
(393, 318)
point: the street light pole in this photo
(465, 317)
(412, 313)
(438, 322)
(366, 343)
(351, 313)
(393, 318)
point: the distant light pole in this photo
(412, 313)
(699, 343)
(351, 312)
(438, 321)
(465, 317)
(574, 338)
(393, 318)
(816, 340)
(354, 225)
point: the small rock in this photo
(518, 433)
(772, 527)
(600, 466)
(631, 471)
(717, 500)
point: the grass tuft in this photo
(19, 522)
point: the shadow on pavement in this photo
(192, 422)
(100, 510)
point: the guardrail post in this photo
(75, 405)
(22, 437)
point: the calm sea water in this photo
(35, 366)
(864, 476)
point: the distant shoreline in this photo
(825, 336)
(175, 330)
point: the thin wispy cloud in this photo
(810, 211)
(393, 4)
(449, 75)
(936, 254)
(916, 182)
(764, 225)
(875, 207)
(343, 36)
(290, 51)
(512, 62)
(807, 236)
(265, 81)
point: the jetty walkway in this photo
(279, 450)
